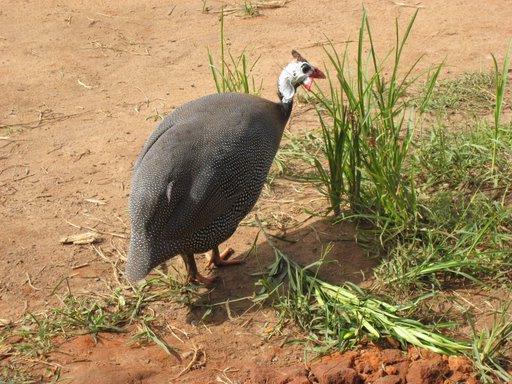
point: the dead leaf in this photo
(96, 201)
(5, 349)
(4, 322)
(84, 85)
(81, 238)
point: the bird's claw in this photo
(201, 280)
(223, 259)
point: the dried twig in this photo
(83, 84)
(97, 230)
(29, 281)
(7, 138)
(80, 266)
(401, 4)
(195, 362)
(96, 201)
(46, 116)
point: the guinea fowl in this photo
(201, 172)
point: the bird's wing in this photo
(163, 127)
(194, 175)
(214, 184)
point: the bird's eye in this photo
(306, 68)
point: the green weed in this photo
(501, 76)
(470, 92)
(368, 125)
(488, 346)
(341, 316)
(250, 10)
(93, 314)
(232, 74)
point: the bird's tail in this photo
(140, 259)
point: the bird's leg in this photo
(193, 275)
(221, 259)
(164, 268)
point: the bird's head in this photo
(298, 72)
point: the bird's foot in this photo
(197, 278)
(222, 260)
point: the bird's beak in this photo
(317, 74)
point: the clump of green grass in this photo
(466, 161)
(463, 180)
(470, 92)
(467, 237)
(232, 73)
(250, 10)
(401, 189)
(120, 311)
(367, 125)
(296, 157)
(436, 206)
(340, 317)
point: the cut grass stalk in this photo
(341, 316)
(488, 344)
(146, 334)
(345, 314)
(232, 74)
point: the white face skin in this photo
(293, 75)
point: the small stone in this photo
(459, 364)
(402, 369)
(430, 371)
(369, 361)
(391, 370)
(414, 353)
(329, 374)
(392, 356)
(391, 379)
(367, 368)
(266, 375)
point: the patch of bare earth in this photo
(82, 85)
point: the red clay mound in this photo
(373, 365)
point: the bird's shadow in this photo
(346, 261)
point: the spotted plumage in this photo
(200, 173)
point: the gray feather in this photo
(198, 175)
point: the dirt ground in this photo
(82, 84)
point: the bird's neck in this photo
(286, 92)
(286, 108)
(285, 87)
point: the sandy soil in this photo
(82, 83)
